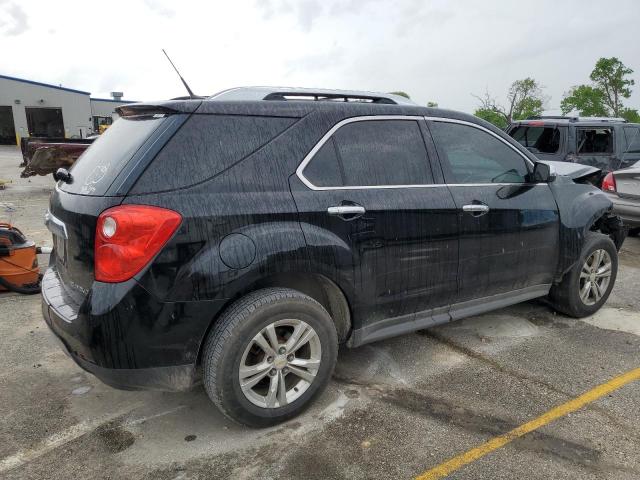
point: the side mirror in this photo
(543, 173)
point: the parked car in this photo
(623, 188)
(239, 239)
(598, 142)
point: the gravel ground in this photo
(393, 410)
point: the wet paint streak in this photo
(560, 411)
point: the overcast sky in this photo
(441, 51)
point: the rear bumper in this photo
(628, 210)
(125, 337)
(173, 378)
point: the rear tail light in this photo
(128, 237)
(609, 183)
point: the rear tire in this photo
(586, 287)
(268, 356)
(634, 232)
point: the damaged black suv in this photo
(238, 240)
(598, 142)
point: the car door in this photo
(509, 228)
(595, 146)
(368, 206)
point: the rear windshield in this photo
(537, 139)
(97, 168)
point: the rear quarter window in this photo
(205, 146)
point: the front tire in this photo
(268, 356)
(587, 286)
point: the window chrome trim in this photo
(307, 159)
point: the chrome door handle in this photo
(346, 210)
(476, 208)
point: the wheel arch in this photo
(317, 286)
(582, 208)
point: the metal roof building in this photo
(29, 108)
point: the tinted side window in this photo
(372, 153)
(383, 152)
(471, 155)
(205, 146)
(324, 168)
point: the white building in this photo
(29, 108)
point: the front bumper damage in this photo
(612, 225)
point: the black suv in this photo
(240, 239)
(594, 141)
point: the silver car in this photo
(623, 188)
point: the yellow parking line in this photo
(577, 403)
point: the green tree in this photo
(610, 77)
(586, 100)
(610, 84)
(432, 104)
(524, 99)
(630, 115)
(492, 117)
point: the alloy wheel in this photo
(280, 363)
(595, 277)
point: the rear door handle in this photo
(346, 212)
(476, 209)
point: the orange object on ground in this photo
(18, 261)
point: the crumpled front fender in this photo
(580, 206)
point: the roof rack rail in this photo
(551, 117)
(601, 119)
(331, 97)
(578, 119)
(308, 94)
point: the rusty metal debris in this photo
(42, 156)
